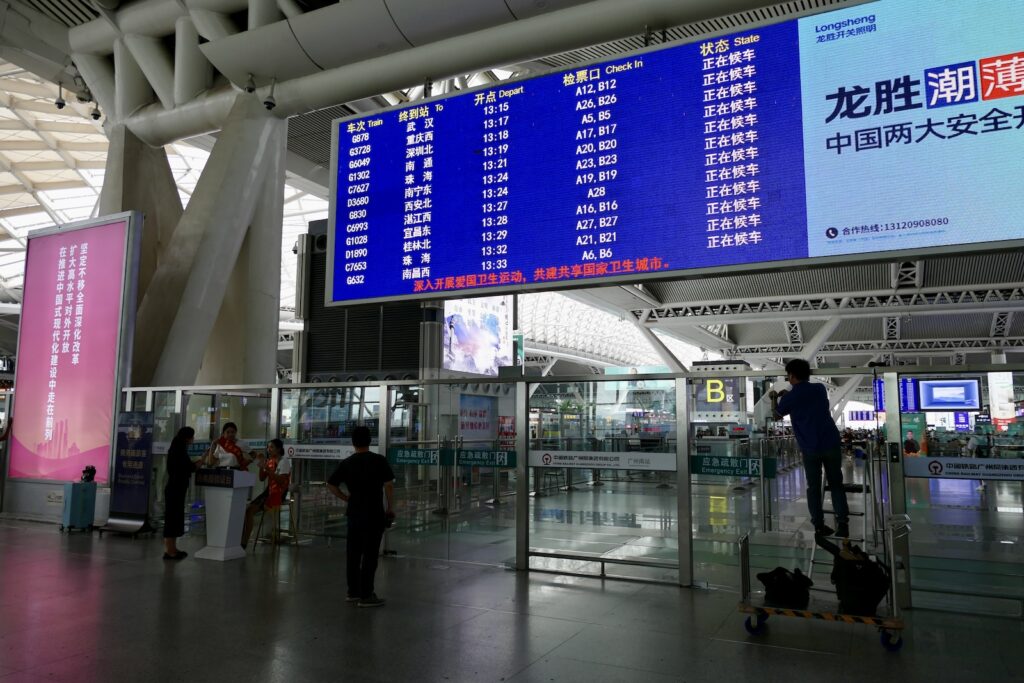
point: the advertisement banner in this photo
(601, 460)
(915, 428)
(67, 370)
(962, 421)
(478, 418)
(507, 432)
(1000, 395)
(129, 487)
(995, 469)
(478, 335)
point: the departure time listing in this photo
(655, 162)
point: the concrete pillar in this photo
(192, 281)
(243, 345)
(139, 178)
(262, 303)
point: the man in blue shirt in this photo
(808, 408)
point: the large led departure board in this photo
(895, 126)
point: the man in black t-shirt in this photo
(368, 478)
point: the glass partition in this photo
(600, 470)
(316, 427)
(602, 462)
(963, 449)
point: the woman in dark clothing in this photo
(179, 471)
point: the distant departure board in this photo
(894, 126)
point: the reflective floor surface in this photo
(83, 608)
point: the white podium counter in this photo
(225, 492)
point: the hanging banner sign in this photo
(601, 460)
(996, 469)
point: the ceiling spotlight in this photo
(59, 102)
(250, 85)
(95, 114)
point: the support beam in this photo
(192, 72)
(842, 396)
(156, 64)
(132, 91)
(544, 372)
(1002, 321)
(820, 338)
(193, 279)
(139, 178)
(98, 72)
(666, 355)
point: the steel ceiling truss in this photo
(861, 348)
(891, 328)
(1001, 322)
(793, 332)
(907, 274)
(939, 300)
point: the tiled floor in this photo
(83, 608)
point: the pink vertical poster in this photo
(67, 366)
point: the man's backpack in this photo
(784, 588)
(861, 583)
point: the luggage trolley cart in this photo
(890, 623)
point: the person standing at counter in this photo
(179, 471)
(227, 451)
(816, 434)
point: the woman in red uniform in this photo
(276, 470)
(227, 451)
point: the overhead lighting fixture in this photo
(59, 102)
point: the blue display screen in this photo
(950, 394)
(832, 135)
(908, 395)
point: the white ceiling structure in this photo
(333, 59)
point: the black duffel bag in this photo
(784, 588)
(861, 582)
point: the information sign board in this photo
(834, 135)
(732, 467)
(996, 469)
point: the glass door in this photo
(963, 459)
(602, 467)
(482, 524)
